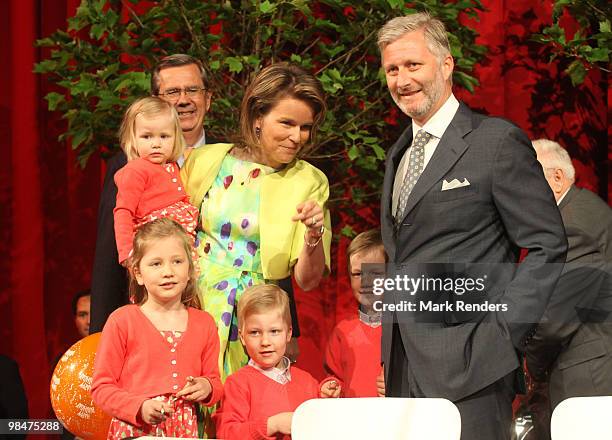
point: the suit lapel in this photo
(450, 148)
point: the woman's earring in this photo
(258, 132)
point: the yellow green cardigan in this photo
(281, 238)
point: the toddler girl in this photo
(159, 357)
(149, 186)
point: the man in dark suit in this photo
(181, 80)
(460, 188)
(13, 400)
(572, 347)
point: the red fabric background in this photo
(48, 205)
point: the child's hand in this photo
(153, 411)
(197, 389)
(380, 383)
(280, 423)
(331, 388)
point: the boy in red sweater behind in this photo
(353, 350)
(260, 398)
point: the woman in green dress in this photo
(262, 209)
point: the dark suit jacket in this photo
(109, 279)
(573, 343)
(13, 401)
(507, 206)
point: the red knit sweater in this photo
(134, 362)
(353, 355)
(142, 187)
(251, 398)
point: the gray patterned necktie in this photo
(416, 162)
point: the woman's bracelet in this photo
(318, 238)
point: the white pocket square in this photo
(454, 184)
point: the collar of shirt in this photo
(370, 320)
(563, 196)
(436, 126)
(439, 122)
(199, 143)
(280, 374)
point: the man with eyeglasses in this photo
(570, 349)
(181, 80)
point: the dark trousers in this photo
(485, 415)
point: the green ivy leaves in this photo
(590, 45)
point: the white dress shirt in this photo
(199, 143)
(436, 126)
(563, 196)
(280, 374)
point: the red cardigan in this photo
(142, 187)
(251, 398)
(353, 355)
(134, 362)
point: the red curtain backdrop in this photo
(48, 205)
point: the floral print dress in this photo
(229, 252)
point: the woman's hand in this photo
(154, 411)
(310, 266)
(197, 389)
(311, 215)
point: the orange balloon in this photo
(71, 391)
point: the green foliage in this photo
(590, 45)
(100, 62)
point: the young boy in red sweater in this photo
(260, 398)
(353, 350)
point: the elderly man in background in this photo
(571, 348)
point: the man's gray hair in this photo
(553, 155)
(434, 30)
(176, 60)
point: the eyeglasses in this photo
(175, 94)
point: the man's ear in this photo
(558, 178)
(208, 98)
(448, 65)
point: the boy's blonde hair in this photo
(148, 107)
(261, 299)
(156, 230)
(367, 241)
